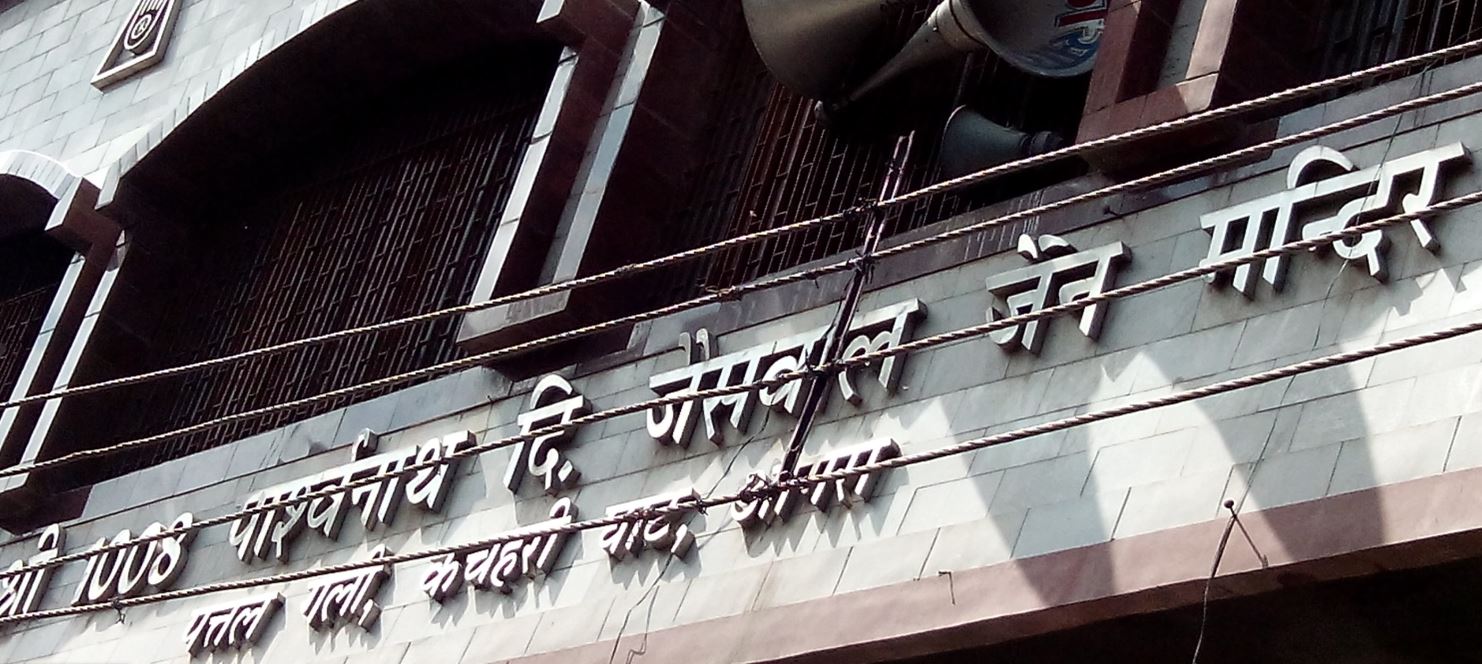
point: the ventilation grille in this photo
(397, 222)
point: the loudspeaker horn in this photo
(971, 143)
(1052, 38)
(809, 45)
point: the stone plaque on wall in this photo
(141, 41)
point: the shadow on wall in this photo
(1336, 431)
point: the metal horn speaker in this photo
(1053, 38)
(809, 45)
(971, 143)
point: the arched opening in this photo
(32, 267)
(336, 206)
(393, 220)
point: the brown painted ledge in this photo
(1426, 521)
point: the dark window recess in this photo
(31, 269)
(767, 161)
(395, 222)
(1364, 33)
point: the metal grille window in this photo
(1364, 33)
(396, 223)
(768, 161)
(31, 269)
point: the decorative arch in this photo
(226, 136)
(226, 116)
(31, 184)
(71, 198)
(39, 170)
(265, 99)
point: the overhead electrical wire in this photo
(910, 346)
(1108, 142)
(1184, 396)
(1162, 177)
(817, 372)
(939, 339)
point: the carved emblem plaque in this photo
(141, 41)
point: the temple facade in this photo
(881, 414)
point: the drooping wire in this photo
(1214, 571)
(1179, 124)
(797, 483)
(734, 292)
(859, 360)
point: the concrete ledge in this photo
(1422, 522)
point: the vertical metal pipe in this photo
(828, 351)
